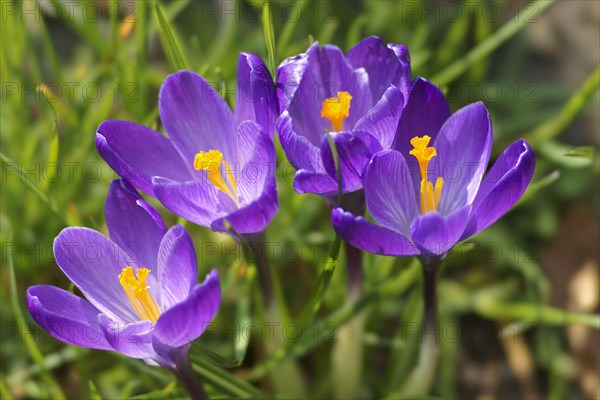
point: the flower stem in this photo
(430, 272)
(184, 372)
(256, 245)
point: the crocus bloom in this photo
(140, 286)
(429, 192)
(216, 165)
(357, 98)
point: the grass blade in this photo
(174, 55)
(267, 20)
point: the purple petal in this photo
(463, 149)
(253, 217)
(300, 152)
(133, 223)
(257, 161)
(138, 153)
(364, 235)
(382, 120)
(382, 64)
(93, 263)
(313, 182)
(255, 93)
(289, 75)
(133, 339)
(196, 117)
(389, 192)
(197, 201)
(503, 185)
(425, 112)
(66, 317)
(435, 234)
(353, 156)
(177, 267)
(186, 321)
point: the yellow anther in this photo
(210, 161)
(137, 292)
(336, 109)
(430, 195)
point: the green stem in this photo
(184, 372)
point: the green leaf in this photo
(267, 20)
(494, 41)
(588, 152)
(174, 55)
(54, 143)
(224, 382)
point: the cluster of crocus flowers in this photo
(140, 286)
(217, 166)
(422, 170)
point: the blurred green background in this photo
(520, 300)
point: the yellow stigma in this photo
(210, 161)
(430, 194)
(336, 109)
(137, 292)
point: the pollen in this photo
(430, 195)
(136, 289)
(210, 161)
(336, 109)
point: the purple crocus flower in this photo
(140, 286)
(216, 165)
(358, 98)
(429, 192)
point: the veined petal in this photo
(254, 217)
(93, 263)
(197, 201)
(196, 117)
(177, 267)
(463, 149)
(138, 153)
(353, 155)
(314, 182)
(255, 93)
(435, 234)
(382, 120)
(300, 152)
(133, 223)
(257, 161)
(66, 317)
(289, 75)
(133, 339)
(364, 235)
(186, 321)
(382, 64)
(503, 185)
(389, 192)
(425, 112)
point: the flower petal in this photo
(133, 339)
(300, 152)
(503, 185)
(382, 64)
(177, 267)
(255, 93)
(66, 317)
(313, 182)
(197, 201)
(364, 235)
(253, 217)
(93, 263)
(382, 120)
(289, 75)
(138, 153)
(425, 112)
(435, 234)
(353, 155)
(389, 192)
(133, 223)
(257, 161)
(186, 321)
(196, 117)
(463, 150)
